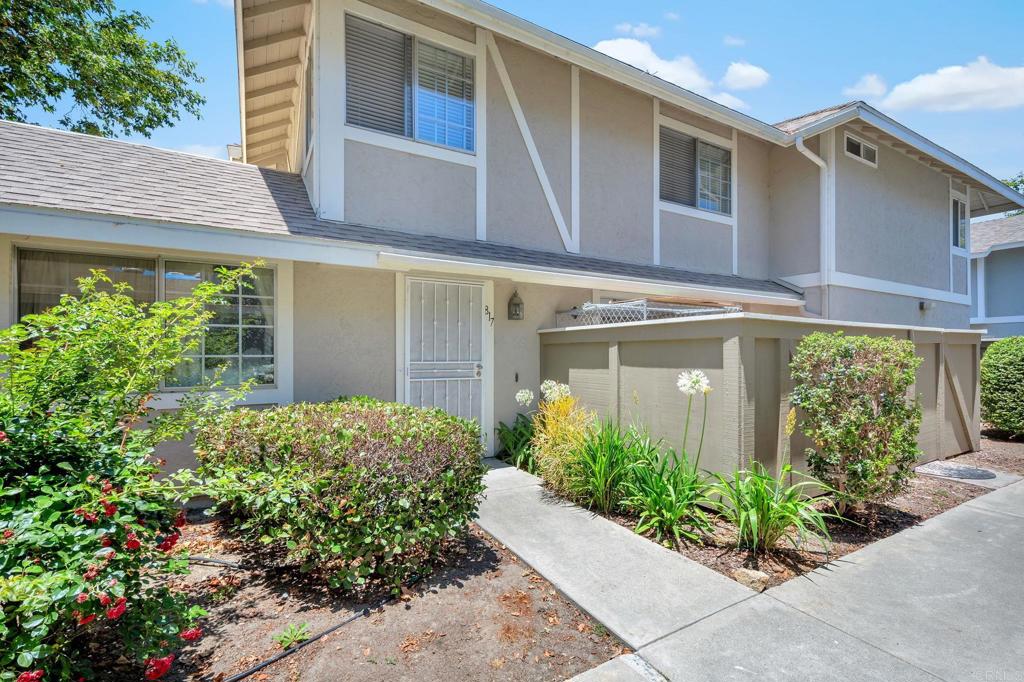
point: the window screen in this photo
(444, 97)
(714, 168)
(959, 223)
(378, 75)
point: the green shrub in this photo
(354, 489)
(853, 394)
(765, 508)
(603, 464)
(87, 535)
(1002, 385)
(516, 448)
(666, 493)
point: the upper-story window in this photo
(398, 84)
(861, 150)
(959, 222)
(694, 172)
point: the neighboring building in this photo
(997, 277)
(411, 167)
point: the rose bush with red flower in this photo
(79, 490)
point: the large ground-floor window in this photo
(239, 343)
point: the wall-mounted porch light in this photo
(516, 308)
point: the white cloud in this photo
(641, 30)
(673, 16)
(744, 76)
(734, 41)
(217, 151)
(870, 86)
(977, 85)
(682, 70)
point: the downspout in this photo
(824, 267)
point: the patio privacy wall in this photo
(628, 372)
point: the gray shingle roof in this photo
(988, 233)
(792, 125)
(53, 169)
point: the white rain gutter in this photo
(825, 232)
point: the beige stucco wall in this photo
(753, 213)
(408, 192)
(892, 222)
(517, 211)
(795, 214)
(695, 244)
(1004, 283)
(617, 178)
(873, 306)
(344, 332)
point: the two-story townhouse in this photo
(430, 182)
(997, 277)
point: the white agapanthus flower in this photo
(552, 390)
(693, 381)
(524, 397)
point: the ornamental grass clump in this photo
(88, 536)
(853, 392)
(1002, 385)
(356, 489)
(560, 427)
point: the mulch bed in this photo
(481, 615)
(925, 497)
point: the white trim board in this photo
(698, 213)
(845, 279)
(1005, 319)
(409, 146)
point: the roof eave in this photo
(240, 60)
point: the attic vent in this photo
(861, 150)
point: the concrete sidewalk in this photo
(637, 589)
(939, 601)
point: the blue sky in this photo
(790, 58)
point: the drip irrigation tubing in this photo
(291, 650)
(215, 562)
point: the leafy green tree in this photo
(92, 58)
(1016, 183)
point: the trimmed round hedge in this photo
(357, 488)
(1002, 385)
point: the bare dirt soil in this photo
(482, 615)
(925, 497)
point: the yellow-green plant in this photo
(559, 430)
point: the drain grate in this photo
(951, 470)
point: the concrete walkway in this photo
(940, 601)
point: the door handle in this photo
(479, 368)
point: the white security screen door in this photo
(445, 346)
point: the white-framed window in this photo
(694, 172)
(863, 151)
(402, 85)
(239, 343)
(959, 224)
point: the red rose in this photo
(3, 437)
(88, 516)
(106, 486)
(106, 542)
(91, 572)
(33, 676)
(169, 542)
(118, 609)
(158, 667)
(8, 534)
(82, 597)
(181, 519)
(192, 634)
(85, 620)
(104, 599)
(109, 508)
(133, 543)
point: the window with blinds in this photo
(694, 173)
(402, 86)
